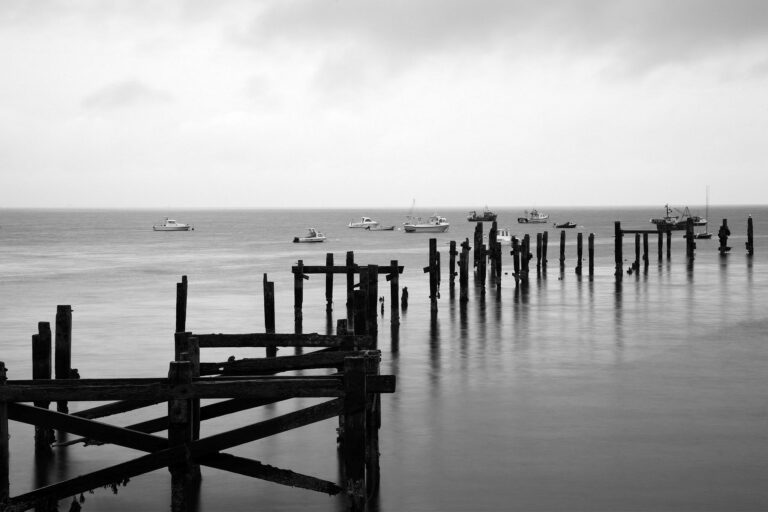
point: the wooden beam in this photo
(283, 340)
(340, 269)
(266, 366)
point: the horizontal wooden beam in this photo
(256, 469)
(341, 269)
(347, 342)
(271, 365)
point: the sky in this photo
(377, 103)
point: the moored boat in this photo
(504, 235)
(486, 216)
(312, 235)
(680, 221)
(172, 225)
(435, 224)
(380, 228)
(365, 222)
(533, 217)
(566, 225)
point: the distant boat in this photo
(435, 224)
(533, 217)
(504, 235)
(566, 225)
(365, 222)
(487, 216)
(312, 235)
(172, 225)
(706, 235)
(380, 228)
(679, 221)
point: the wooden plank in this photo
(256, 469)
(283, 340)
(340, 269)
(265, 366)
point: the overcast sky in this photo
(347, 103)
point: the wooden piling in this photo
(394, 290)
(591, 253)
(269, 313)
(41, 369)
(452, 253)
(464, 271)
(669, 243)
(350, 264)
(750, 237)
(478, 242)
(181, 305)
(562, 249)
(298, 296)
(329, 284)
(539, 240)
(690, 242)
(432, 270)
(179, 434)
(516, 259)
(723, 233)
(372, 298)
(482, 258)
(579, 253)
(645, 251)
(5, 469)
(544, 242)
(354, 442)
(636, 264)
(498, 265)
(661, 241)
(617, 252)
(525, 257)
(492, 233)
(63, 349)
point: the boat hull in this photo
(171, 228)
(303, 240)
(526, 220)
(417, 228)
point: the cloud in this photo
(129, 93)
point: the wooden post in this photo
(539, 239)
(41, 369)
(452, 266)
(269, 313)
(432, 270)
(492, 248)
(464, 271)
(5, 468)
(669, 243)
(187, 348)
(360, 303)
(478, 241)
(179, 433)
(636, 264)
(516, 259)
(579, 253)
(373, 424)
(329, 284)
(645, 251)
(562, 249)
(298, 296)
(544, 242)
(498, 265)
(181, 305)
(591, 254)
(661, 241)
(353, 441)
(63, 349)
(690, 242)
(723, 233)
(350, 265)
(372, 298)
(482, 257)
(750, 237)
(525, 257)
(394, 291)
(618, 255)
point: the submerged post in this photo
(372, 297)
(661, 241)
(181, 305)
(723, 233)
(538, 252)
(432, 270)
(562, 249)
(645, 251)
(525, 257)
(452, 266)
(464, 271)
(579, 252)
(750, 243)
(591, 254)
(636, 264)
(617, 252)
(544, 240)
(516, 259)
(690, 242)
(394, 290)
(63, 349)
(669, 243)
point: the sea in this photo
(575, 394)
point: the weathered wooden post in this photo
(539, 238)
(645, 251)
(181, 305)
(636, 264)
(269, 313)
(544, 242)
(464, 271)
(482, 257)
(350, 266)
(617, 253)
(591, 254)
(525, 257)
(298, 296)
(478, 241)
(723, 233)
(179, 433)
(5, 454)
(498, 265)
(372, 297)
(394, 289)
(562, 250)
(187, 348)
(661, 241)
(353, 441)
(361, 306)
(373, 424)
(329, 283)
(690, 242)
(669, 242)
(492, 233)
(452, 253)
(63, 349)
(750, 237)
(516, 259)
(579, 253)
(431, 269)
(41, 369)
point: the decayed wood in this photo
(618, 255)
(181, 305)
(750, 245)
(41, 370)
(394, 292)
(371, 298)
(452, 253)
(544, 243)
(298, 297)
(282, 340)
(261, 471)
(579, 252)
(63, 348)
(269, 313)
(591, 253)
(261, 366)
(353, 445)
(180, 419)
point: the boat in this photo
(487, 216)
(679, 221)
(380, 228)
(565, 225)
(312, 235)
(533, 217)
(706, 235)
(365, 222)
(172, 225)
(435, 224)
(504, 235)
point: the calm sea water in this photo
(578, 395)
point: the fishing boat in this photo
(533, 217)
(365, 222)
(435, 224)
(706, 235)
(312, 236)
(172, 225)
(487, 216)
(565, 225)
(679, 221)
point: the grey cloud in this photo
(129, 93)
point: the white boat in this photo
(172, 225)
(312, 235)
(504, 235)
(365, 222)
(533, 217)
(435, 224)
